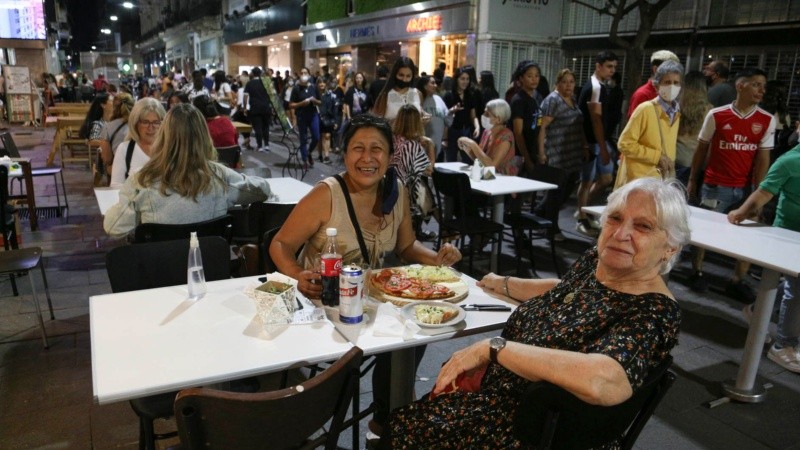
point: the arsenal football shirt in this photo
(735, 140)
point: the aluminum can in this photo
(351, 294)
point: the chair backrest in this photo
(9, 145)
(154, 232)
(266, 216)
(159, 264)
(6, 211)
(267, 265)
(453, 186)
(550, 417)
(286, 418)
(229, 155)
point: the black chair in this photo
(229, 156)
(266, 265)
(525, 228)
(12, 151)
(549, 417)
(154, 232)
(455, 187)
(287, 418)
(266, 217)
(158, 264)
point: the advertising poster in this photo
(277, 104)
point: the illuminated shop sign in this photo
(423, 24)
(363, 32)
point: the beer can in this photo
(351, 294)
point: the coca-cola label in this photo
(331, 267)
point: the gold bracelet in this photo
(505, 286)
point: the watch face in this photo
(497, 343)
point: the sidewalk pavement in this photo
(46, 395)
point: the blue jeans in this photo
(304, 124)
(720, 198)
(789, 318)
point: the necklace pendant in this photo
(569, 297)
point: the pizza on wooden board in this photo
(415, 283)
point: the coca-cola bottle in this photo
(330, 266)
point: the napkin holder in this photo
(488, 173)
(275, 303)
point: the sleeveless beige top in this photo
(378, 245)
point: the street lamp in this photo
(114, 18)
(105, 31)
(127, 5)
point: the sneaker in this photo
(594, 223)
(740, 291)
(698, 282)
(583, 227)
(264, 149)
(786, 357)
(558, 237)
(326, 160)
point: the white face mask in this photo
(486, 122)
(304, 79)
(669, 93)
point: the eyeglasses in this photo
(147, 123)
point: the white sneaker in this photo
(582, 228)
(786, 357)
(594, 223)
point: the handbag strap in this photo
(353, 218)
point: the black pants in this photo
(260, 124)
(381, 383)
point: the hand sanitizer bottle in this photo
(195, 277)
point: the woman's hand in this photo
(473, 357)
(310, 284)
(465, 144)
(665, 165)
(456, 108)
(447, 256)
(476, 133)
(493, 282)
(542, 158)
(426, 118)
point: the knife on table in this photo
(489, 307)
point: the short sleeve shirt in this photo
(527, 108)
(735, 140)
(594, 92)
(784, 178)
(300, 93)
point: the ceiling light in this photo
(260, 42)
(285, 37)
(250, 43)
(271, 39)
(114, 18)
(300, 33)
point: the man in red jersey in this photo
(647, 91)
(734, 145)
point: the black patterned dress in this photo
(579, 314)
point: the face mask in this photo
(304, 79)
(401, 84)
(486, 123)
(669, 93)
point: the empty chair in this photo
(286, 418)
(455, 187)
(549, 417)
(153, 232)
(18, 261)
(12, 151)
(158, 264)
(229, 156)
(525, 228)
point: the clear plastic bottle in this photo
(330, 267)
(195, 277)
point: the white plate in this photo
(408, 311)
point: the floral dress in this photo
(579, 314)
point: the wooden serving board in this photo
(459, 287)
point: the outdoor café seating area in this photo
(123, 338)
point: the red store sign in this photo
(422, 24)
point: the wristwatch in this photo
(495, 345)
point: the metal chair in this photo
(12, 151)
(286, 418)
(229, 156)
(153, 232)
(16, 261)
(157, 264)
(549, 417)
(455, 187)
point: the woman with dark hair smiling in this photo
(462, 102)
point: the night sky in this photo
(86, 17)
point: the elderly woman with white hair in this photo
(496, 147)
(595, 333)
(648, 143)
(134, 152)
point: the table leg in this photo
(498, 211)
(744, 388)
(54, 149)
(30, 194)
(403, 377)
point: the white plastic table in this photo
(774, 249)
(285, 190)
(497, 189)
(155, 341)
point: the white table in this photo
(284, 191)
(155, 341)
(498, 188)
(774, 249)
(403, 360)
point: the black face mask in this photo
(401, 84)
